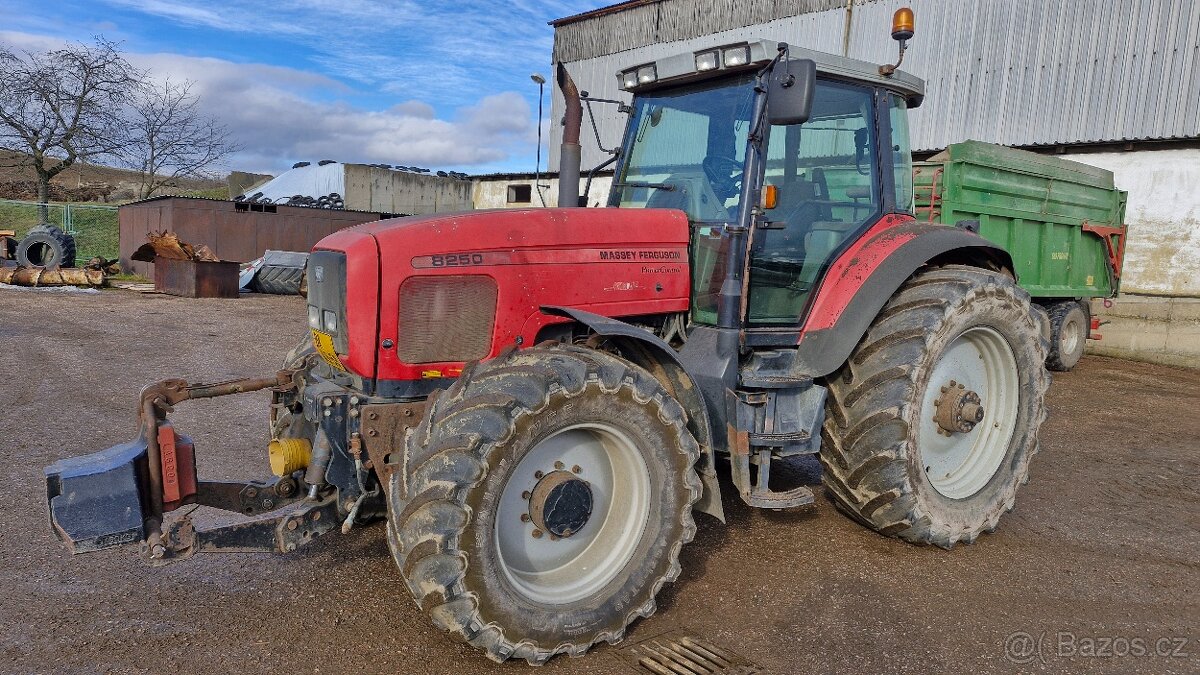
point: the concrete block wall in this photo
(1148, 328)
(370, 188)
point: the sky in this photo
(437, 84)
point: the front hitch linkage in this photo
(279, 533)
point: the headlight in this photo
(329, 322)
(737, 56)
(647, 74)
(314, 317)
(707, 61)
(629, 79)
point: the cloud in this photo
(400, 47)
(410, 82)
(281, 115)
(270, 112)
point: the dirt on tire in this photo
(871, 439)
(460, 461)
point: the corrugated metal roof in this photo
(638, 23)
(1016, 72)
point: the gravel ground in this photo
(1099, 557)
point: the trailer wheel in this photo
(546, 497)
(931, 424)
(1068, 335)
(46, 246)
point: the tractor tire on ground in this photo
(547, 495)
(277, 280)
(46, 246)
(931, 424)
(1068, 334)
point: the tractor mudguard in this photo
(866, 276)
(650, 352)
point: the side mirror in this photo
(790, 92)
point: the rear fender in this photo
(660, 359)
(865, 277)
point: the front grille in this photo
(446, 318)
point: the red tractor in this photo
(536, 401)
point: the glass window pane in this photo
(826, 175)
(686, 152)
(902, 154)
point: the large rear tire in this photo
(547, 495)
(931, 424)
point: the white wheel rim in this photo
(961, 464)
(1069, 338)
(562, 570)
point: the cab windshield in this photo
(685, 149)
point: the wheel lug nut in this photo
(577, 469)
(558, 465)
(944, 390)
(537, 534)
(554, 537)
(525, 495)
(524, 517)
(538, 474)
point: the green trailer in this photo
(1062, 222)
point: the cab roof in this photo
(681, 68)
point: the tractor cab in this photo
(815, 185)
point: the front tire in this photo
(932, 422)
(547, 496)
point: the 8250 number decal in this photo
(456, 260)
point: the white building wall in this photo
(492, 193)
(1162, 254)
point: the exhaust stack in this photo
(570, 154)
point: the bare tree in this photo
(58, 106)
(169, 138)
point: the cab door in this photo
(826, 177)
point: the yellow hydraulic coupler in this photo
(289, 454)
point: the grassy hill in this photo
(84, 182)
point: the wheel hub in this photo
(958, 409)
(560, 504)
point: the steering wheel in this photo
(724, 175)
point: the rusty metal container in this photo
(195, 279)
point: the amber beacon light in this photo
(902, 31)
(902, 24)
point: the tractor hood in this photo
(459, 287)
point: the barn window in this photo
(520, 194)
